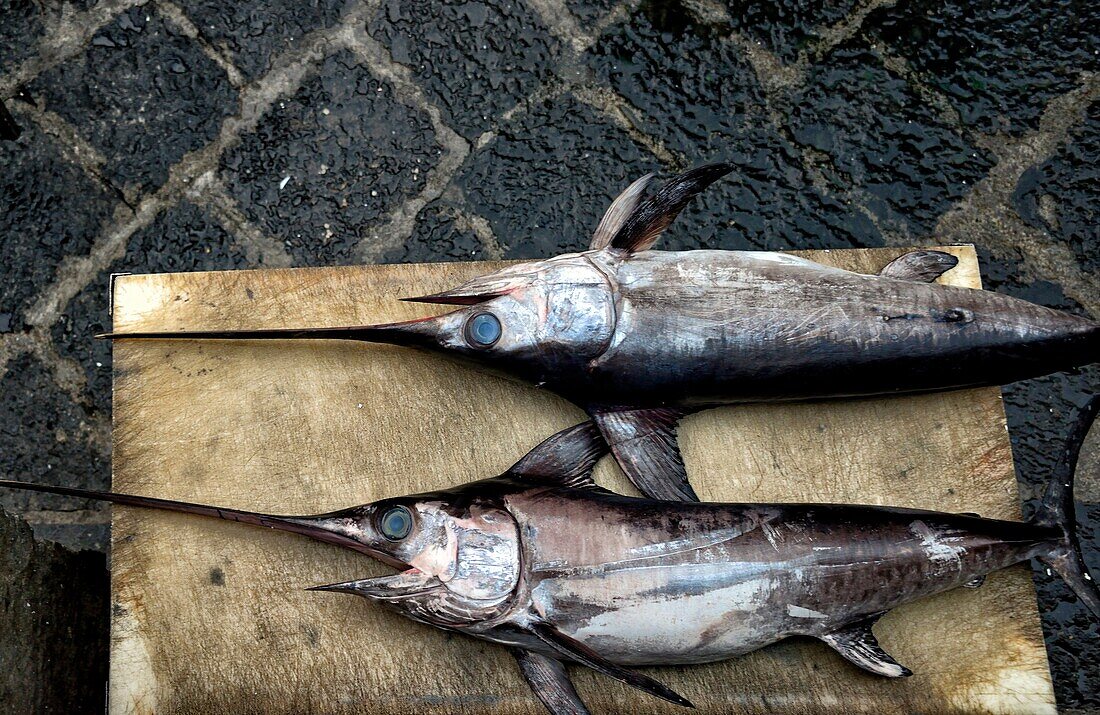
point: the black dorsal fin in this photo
(653, 215)
(618, 212)
(858, 645)
(566, 458)
(579, 652)
(920, 266)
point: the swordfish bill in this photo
(639, 337)
(544, 562)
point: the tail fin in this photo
(1056, 511)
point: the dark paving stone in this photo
(882, 138)
(44, 436)
(1040, 414)
(701, 99)
(254, 34)
(476, 60)
(437, 237)
(49, 209)
(1062, 195)
(183, 238)
(20, 28)
(999, 61)
(352, 153)
(787, 27)
(544, 182)
(55, 620)
(589, 11)
(143, 94)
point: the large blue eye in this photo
(483, 330)
(396, 523)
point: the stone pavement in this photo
(207, 134)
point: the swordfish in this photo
(640, 338)
(559, 570)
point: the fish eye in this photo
(396, 523)
(483, 330)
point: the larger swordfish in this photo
(639, 338)
(545, 562)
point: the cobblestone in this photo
(544, 181)
(1001, 61)
(330, 161)
(49, 209)
(143, 94)
(475, 59)
(880, 136)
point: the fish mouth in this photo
(407, 583)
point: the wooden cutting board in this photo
(213, 617)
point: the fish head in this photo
(460, 561)
(535, 320)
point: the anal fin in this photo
(920, 266)
(579, 652)
(975, 582)
(550, 682)
(858, 645)
(644, 444)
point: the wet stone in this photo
(590, 11)
(21, 24)
(183, 238)
(787, 27)
(475, 60)
(143, 94)
(330, 161)
(1062, 195)
(439, 235)
(883, 139)
(54, 617)
(49, 209)
(545, 180)
(694, 91)
(702, 100)
(999, 61)
(253, 34)
(45, 437)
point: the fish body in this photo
(693, 329)
(640, 338)
(654, 584)
(544, 561)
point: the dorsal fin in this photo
(566, 458)
(618, 212)
(859, 646)
(920, 266)
(653, 215)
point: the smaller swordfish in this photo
(559, 570)
(640, 338)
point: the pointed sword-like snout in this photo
(335, 528)
(412, 333)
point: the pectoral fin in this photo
(858, 646)
(920, 266)
(550, 682)
(644, 443)
(579, 652)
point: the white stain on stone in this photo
(799, 612)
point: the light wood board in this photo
(212, 617)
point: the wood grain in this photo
(212, 617)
